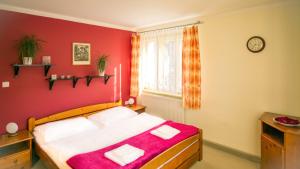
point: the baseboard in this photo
(233, 151)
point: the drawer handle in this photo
(16, 161)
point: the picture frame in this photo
(81, 54)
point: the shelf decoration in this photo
(28, 46)
(81, 54)
(18, 66)
(101, 64)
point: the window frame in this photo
(145, 90)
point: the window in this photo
(161, 61)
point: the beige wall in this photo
(237, 85)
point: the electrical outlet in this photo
(5, 84)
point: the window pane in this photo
(150, 66)
(167, 66)
(161, 54)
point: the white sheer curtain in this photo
(161, 61)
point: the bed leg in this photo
(200, 145)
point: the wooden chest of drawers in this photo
(15, 151)
(280, 145)
(20, 160)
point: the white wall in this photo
(237, 85)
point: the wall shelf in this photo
(17, 67)
(90, 78)
(75, 79)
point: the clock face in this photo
(256, 44)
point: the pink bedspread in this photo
(152, 145)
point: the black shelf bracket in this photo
(74, 81)
(51, 83)
(16, 70)
(106, 78)
(46, 69)
(88, 80)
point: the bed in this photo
(54, 155)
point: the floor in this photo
(213, 159)
(216, 159)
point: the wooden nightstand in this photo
(16, 151)
(137, 108)
(280, 145)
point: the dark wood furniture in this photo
(280, 145)
(16, 151)
(137, 108)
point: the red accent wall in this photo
(28, 94)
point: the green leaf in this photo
(28, 46)
(102, 63)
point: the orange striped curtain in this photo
(191, 79)
(135, 57)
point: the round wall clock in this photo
(256, 44)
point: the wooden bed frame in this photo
(181, 156)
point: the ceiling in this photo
(127, 14)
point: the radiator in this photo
(166, 107)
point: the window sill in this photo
(162, 94)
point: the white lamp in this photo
(131, 101)
(12, 129)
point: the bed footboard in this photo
(180, 156)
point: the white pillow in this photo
(112, 115)
(60, 129)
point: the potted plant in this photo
(101, 64)
(28, 46)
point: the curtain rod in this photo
(196, 23)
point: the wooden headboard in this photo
(81, 111)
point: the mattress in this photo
(63, 149)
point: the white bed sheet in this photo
(63, 149)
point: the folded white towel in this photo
(124, 154)
(165, 132)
